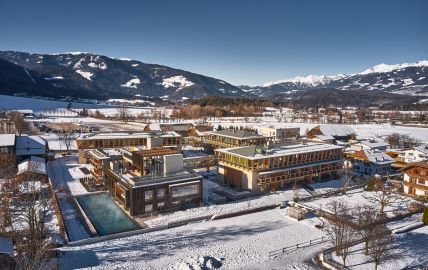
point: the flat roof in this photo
(150, 180)
(127, 135)
(238, 134)
(259, 152)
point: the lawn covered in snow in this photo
(273, 198)
(358, 197)
(410, 252)
(235, 242)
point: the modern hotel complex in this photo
(269, 168)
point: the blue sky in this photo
(242, 42)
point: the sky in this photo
(240, 41)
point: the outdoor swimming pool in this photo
(104, 214)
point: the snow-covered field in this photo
(239, 242)
(411, 252)
(271, 199)
(364, 130)
(360, 197)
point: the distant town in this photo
(228, 184)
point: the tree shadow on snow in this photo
(170, 242)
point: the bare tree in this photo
(383, 195)
(29, 216)
(380, 248)
(368, 220)
(123, 113)
(68, 136)
(340, 230)
(18, 121)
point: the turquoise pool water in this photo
(105, 215)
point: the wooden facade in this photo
(221, 140)
(273, 172)
(416, 179)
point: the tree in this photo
(368, 219)
(383, 195)
(31, 211)
(380, 247)
(339, 229)
(68, 136)
(18, 121)
(123, 113)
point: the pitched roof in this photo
(34, 164)
(337, 130)
(7, 139)
(374, 156)
(375, 143)
(6, 246)
(29, 145)
(420, 164)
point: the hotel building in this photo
(269, 168)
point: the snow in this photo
(358, 197)
(382, 68)
(55, 78)
(410, 252)
(64, 184)
(86, 74)
(237, 242)
(311, 80)
(101, 65)
(177, 81)
(133, 83)
(7, 139)
(266, 200)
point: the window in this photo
(160, 193)
(148, 208)
(148, 195)
(161, 205)
(181, 191)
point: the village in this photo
(130, 187)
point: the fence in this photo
(282, 251)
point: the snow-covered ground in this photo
(364, 130)
(266, 200)
(63, 185)
(410, 252)
(360, 197)
(236, 242)
(332, 185)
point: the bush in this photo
(425, 216)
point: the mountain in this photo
(403, 79)
(96, 76)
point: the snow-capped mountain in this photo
(405, 79)
(104, 77)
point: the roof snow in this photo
(7, 139)
(336, 130)
(34, 164)
(378, 157)
(176, 81)
(87, 75)
(133, 83)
